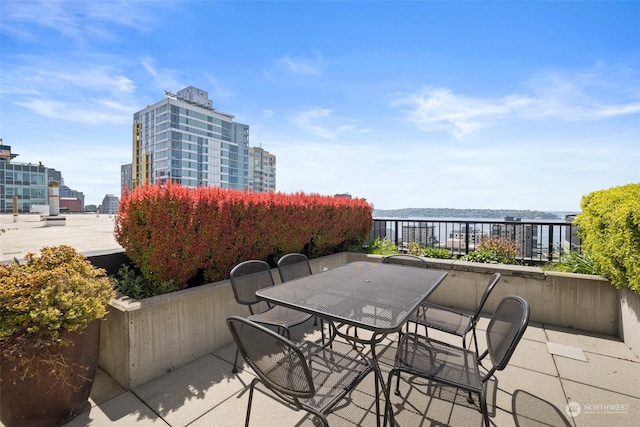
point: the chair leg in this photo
(253, 384)
(483, 407)
(464, 345)
(475, 341)
(235, 362)
(397, 391)
(388, 409)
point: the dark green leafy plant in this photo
(441, 253)
(133, 284)
(573, 262)
(375, 246)
(383, 247)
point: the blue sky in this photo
(497, 105)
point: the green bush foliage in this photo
(133, 284)
(441, 253)
(610, 229)
(383, 247)
(494, 250)
(56, 292)
(573, 262)
(375, 246)
(170, 232)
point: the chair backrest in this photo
(495, 278)
(405, 259)
(277, 361)
(293, 266)
(247, 277)
(505, 329)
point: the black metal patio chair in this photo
(437, 361)
(452, 321)
(246, 278)
(306, 376)
(293, 266)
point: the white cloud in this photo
(302, 66)
(163, 79)
(267, 114)
(321, 122)
(599, 94)
(90, 111)
(434, 109)
(76, 20)
(90, 93)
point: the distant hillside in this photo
(461, 213)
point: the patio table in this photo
(372, 296)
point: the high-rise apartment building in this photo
(262, 170)
(184, 139)
(109, 204)
(126, 178)
(525, 235)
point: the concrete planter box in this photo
(629, 319)
(141, 340)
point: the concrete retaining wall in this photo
(629, 319)
(141, 340)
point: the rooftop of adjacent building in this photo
(87, 232)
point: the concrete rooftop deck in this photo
(534, 389)
(550, 368)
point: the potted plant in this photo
(49, 335)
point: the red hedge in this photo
(171, 232)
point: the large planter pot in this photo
(45, 400)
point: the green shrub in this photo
(494, 250)
(441, 253)
(610, 229)
(384, 247)
(56, 292)
(573, 262)
(133, 284)
(375, 246)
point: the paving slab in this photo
(185, 394)
(566, 351)
(124, 410)
(421, 402)
(605, 345)
(266, 411)
(602, 372)
(533, 355)
(597, 407)
(529, 397)
(530, 409)
(104, 388)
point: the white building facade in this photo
(184, 139)
(262, 170)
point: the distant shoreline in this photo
(469, 213)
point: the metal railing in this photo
(537, 241)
